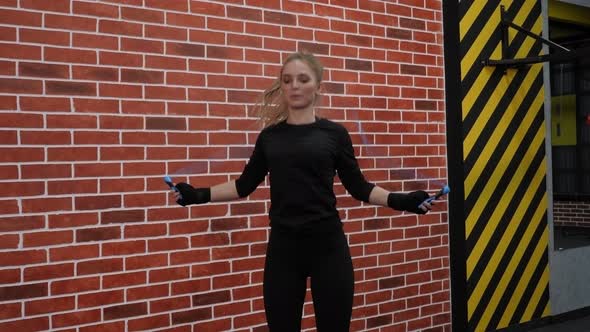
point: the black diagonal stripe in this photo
(507, 136)
(542, 303)
(504, 220)
(518, 275)
(533, 283)
(487, 50)
(484, 301)
(495, 78)
(492, 7)
(490, 247)
(496, 155)
(528, 24)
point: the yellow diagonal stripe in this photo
(500, 250)
(498, 173)
(500, 288)
(536, 298)
(525, 279)
(495, 98)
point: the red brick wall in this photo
(571, 213)
(99, 100)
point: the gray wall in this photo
(569, 283)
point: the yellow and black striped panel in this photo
(504, 171)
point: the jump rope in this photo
(443, 191)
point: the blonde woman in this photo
(302, 153)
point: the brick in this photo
(45, 104)
(51, 305)
(23, 257)
(99, 266)
(142, 107)
(150, 230)
(7, 103)
(72, 154)
(146, 261)
(184, 20)
(224, 53)
(147, 323)
(70, 23)
(48, 272)
(124, 279)
(280, 18)
(211, 298)
(160, 123)
(43, 70)
(9, 241)
(120, 28)
(88, 137)
(14, 85)
(190, 316)
(10, 293)
(40, 239)
(147, 292)
(223, 24)
(123, 248)
(165, 92)
(125, 310)
(10, 276)
(95, 9)
(36, 205)
(142, 45)
(66, 55)
(165, 62)
(122, 216)
(44, 138)
(73, 252)
(142, 15)
(120, 59)
(79, 317)
(72, 121)
(31, 324)
(95, 73)
(98, 234)
(78, 285)
(96, 105)
(100, 298)
(20, 17)
(120, 90)
(165, 32)
(170, 304)
(10, 310)
(189, 256)
(207, 8)
(169, 274)
(244, 13)
(44, 37)
(88, 40)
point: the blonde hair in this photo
(273, 109)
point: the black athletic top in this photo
(302, 161)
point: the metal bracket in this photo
(563, 55)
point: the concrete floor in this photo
(575, 325)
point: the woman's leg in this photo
(284, 283)
(332, 284)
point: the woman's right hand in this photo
(187, 194)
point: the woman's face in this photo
(299, 85)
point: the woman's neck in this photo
(304, 116)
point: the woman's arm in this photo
(224, 192)
(412, 202)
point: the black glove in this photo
(191, 195)
(407, 202)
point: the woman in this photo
(302, 153)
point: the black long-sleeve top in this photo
(302, 161)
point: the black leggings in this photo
(293, 256)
